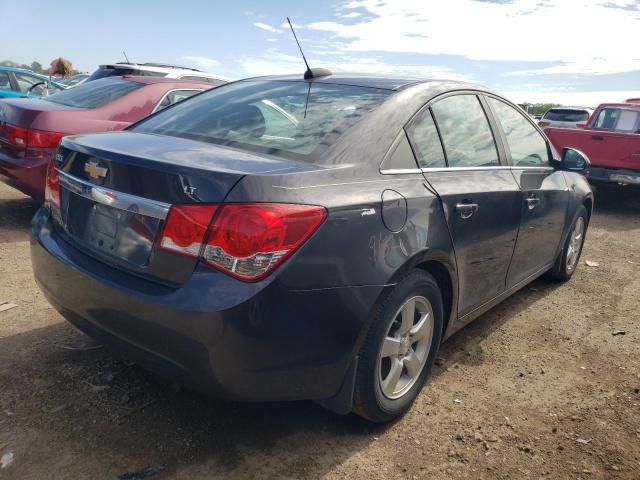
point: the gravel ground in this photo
(539, 387)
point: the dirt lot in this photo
(539, 387)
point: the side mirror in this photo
(574, 160)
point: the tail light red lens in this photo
(185, 229)
(26, 137)
(52, 186)
(43, 139)
(246, 240)
(543, 123)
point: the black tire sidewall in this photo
(377, 406)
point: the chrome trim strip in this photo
(403, 171)
(400, 171)
(115, 199)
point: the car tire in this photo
(376, 396)
(569, 256)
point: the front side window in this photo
(528, 148)
(465, 131)
(25, 82)
(426, 141)
(5, 84)
(289, 118)
(95, 94)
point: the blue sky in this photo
(572, 52)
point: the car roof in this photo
(163, 68)
(153, 80)
(27, 72)
(371, 81)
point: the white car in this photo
(156, 70)
(565, 117)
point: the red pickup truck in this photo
(611, 140)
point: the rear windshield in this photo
(104, 72)
(94, 94)
(289, 118)
(566, 115)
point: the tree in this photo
(37, 67)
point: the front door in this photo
(480, 197)
(544, 193)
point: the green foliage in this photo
(538, 108)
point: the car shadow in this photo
(621, 206)
(15, 218)
(85, 397)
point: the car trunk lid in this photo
(117, 188)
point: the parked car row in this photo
(290, 237)
(31, 129)
(611, 139)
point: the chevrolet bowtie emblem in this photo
(94, 170)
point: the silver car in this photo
(565, 117)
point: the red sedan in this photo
(30, 129)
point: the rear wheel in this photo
(400, 348)
(568, 258)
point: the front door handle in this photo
(466, 210)
(532, 202)
(597, 137)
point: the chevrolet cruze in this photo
(306, 238)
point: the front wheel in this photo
(568, 258)
(400, 348)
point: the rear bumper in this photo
(26, 174)
(261, 341)
(614, 175)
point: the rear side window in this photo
(465, 131)
(618, 119)
(175, 96)
(527, 147)
(95, 94)
(566, 115)
(294, 119)
(426, 141)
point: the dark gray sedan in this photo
(281, 238)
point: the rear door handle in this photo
(466, 210)
(532, 202)
(597, 137)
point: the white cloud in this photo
(203, 63)
(592, 36)
(563, 97)
(266, 27)
(276, 63)
(349, 15)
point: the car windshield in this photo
(566, 115)
(289, 118)
(94, 94)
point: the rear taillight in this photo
(29, 138)
(43, 139)
(185, 229)
(245, 240)
(52, 186)
(543, 123)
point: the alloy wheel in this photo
(405, 348)
(575, 244)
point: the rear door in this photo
(544, 193)
(461, 159)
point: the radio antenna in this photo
(125, 56)
(301, 52)
(309, 74)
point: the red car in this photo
(611, 140)
(30, 129)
